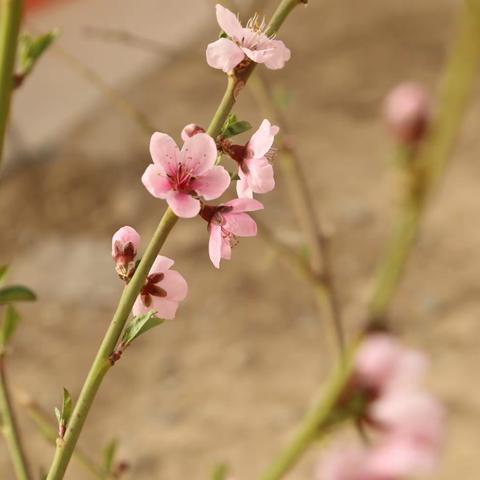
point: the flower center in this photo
(152, 289)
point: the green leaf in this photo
(32, 48)
(16, 293)
(220, 472)
(140, 325)
(108, 456)
(3, 272)
(58, 415)
(236, 128)
(67, 406)
(222, 34)
(9, 325)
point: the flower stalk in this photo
(10, 17)
(102, 363)
(9, 427)
(456, 88)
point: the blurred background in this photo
(229, 379)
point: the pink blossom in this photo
(163, 290)
(382, 363)
(190, 130)
(125, 242)
(407, 112)
(181, 176)
(254, 169)
(344, 462)
(226, 223)
(242, 42)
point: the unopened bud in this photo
(407, 111)
(190, 130)
(125, 244)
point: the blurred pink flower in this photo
(125, 242)
(407, 112)
(382, 363)
(180, 176)
(249, 41)
(190, 130)
(344, 463)
(226, 223)
(163, 290)
(254, 169)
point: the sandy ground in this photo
(229, 379)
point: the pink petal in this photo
(190, 130)
(125, 235)
(279, 55)
(199, 153)
(259, 55)
(155, 181)
(139, 307)
(161, 264)
(260, 176)
(226, 250)
(215, 244)
(183, 205)
(243, 188)
(212, 184)
(224, 54)
(344, 462)
(228, 22)
(175, 286)
(240, 205)
(164, 307)
(262, 140)
(240, 224)
(164, 151)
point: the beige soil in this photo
(230, 378)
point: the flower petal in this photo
(244, 205)
(164, 151)
(243, 188)
(212, 184)
(260, 176)
(215, 244)
(155, 181)
(228, 22)
(224, 54)
(279, 55)
(199, 153)
(240, 224)
(164, 307)
(161, 264)
(123, 236)
(139, 307)
(183, 205)
(262, 140)
(175, 286)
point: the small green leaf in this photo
(16, 293)
(236, 128)
(67, 406)
(140, 325)
(234, 176)
(32, 48)
(220, 472)
(58, 415)
(108, 456)
(3, 272)
(222, 34)
(9, 325)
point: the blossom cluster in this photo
(188, 177)
(407, 422)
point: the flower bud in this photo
(125, 243)
(407, 111)
(190, 130)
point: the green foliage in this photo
(32, 48)
(234, 127)
(3, 272)
(9, 325)
(63, 417)
(138, 326)
(108, 456)
(16, 293)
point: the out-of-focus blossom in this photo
(180, 176)
(227, 222)
(125, 242)
(254, 170)
(190, 130)
(340, 463)
(407, 112)
(163, 290)
(244, 42)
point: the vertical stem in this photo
(456, 87)
(101, 364)
(10, 16)
(10, 428)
